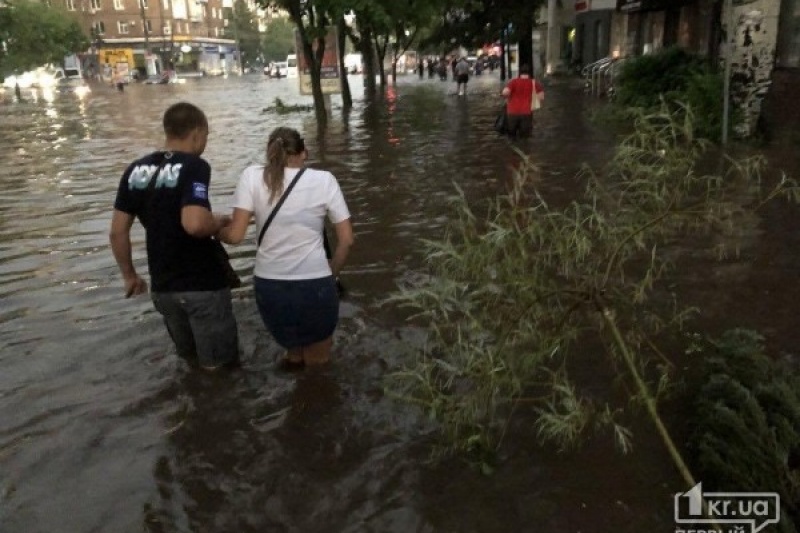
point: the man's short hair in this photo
(524, 69)
(182, 118)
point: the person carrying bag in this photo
(294, 280)
(524, 95)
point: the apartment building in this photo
(149, 36)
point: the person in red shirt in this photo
(519, 96)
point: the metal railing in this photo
(600, 75)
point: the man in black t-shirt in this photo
(168, 192)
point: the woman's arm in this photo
(199, 222)
(234, 232)
(344, 240)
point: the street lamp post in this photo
(726, 94)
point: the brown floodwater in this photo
(102, 429)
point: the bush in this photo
(679, 79)
(643, 80)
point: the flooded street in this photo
(103, 430)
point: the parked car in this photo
(278, 69)
(291, 65)
(78, 86)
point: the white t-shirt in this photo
(292, 246)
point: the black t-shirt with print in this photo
(155, 188)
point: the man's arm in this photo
(120, 239)
(196, 216)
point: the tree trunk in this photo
(341, 36)
(368, 56)
(394, 71)
(525, 45)
(381, 53)
(316, 84)
(363, 44)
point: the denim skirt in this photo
(298, 312)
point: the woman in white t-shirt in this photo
(295, 283)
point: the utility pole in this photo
(730, 36)
(146, 37)
(144, 27)
(552, 37)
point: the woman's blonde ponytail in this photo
(282, 143)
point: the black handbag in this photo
(232, 278)
(501, 122)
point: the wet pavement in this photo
(102, 429)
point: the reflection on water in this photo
(103, 430)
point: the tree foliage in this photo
(33, 34)
(679, 78)
(245, 30)
(744, 425)
(473, 23)
(278, 40)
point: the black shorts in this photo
(519, 125)
(462, 78)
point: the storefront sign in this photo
(113, 56)
(582, 6)
(631, 6)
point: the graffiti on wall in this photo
(753, 58)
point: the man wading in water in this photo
(168, 192)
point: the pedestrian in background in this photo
(461, 73)
(523, 95)
(167, 191)
(295, 284)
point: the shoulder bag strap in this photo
(278, 206)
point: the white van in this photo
(291, 66)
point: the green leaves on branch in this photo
(244, 28)
(517, 300)
(679, 78)
(744, 423)
(278, 40)
(32, 34)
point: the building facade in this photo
(593, 26)
(150, 36)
